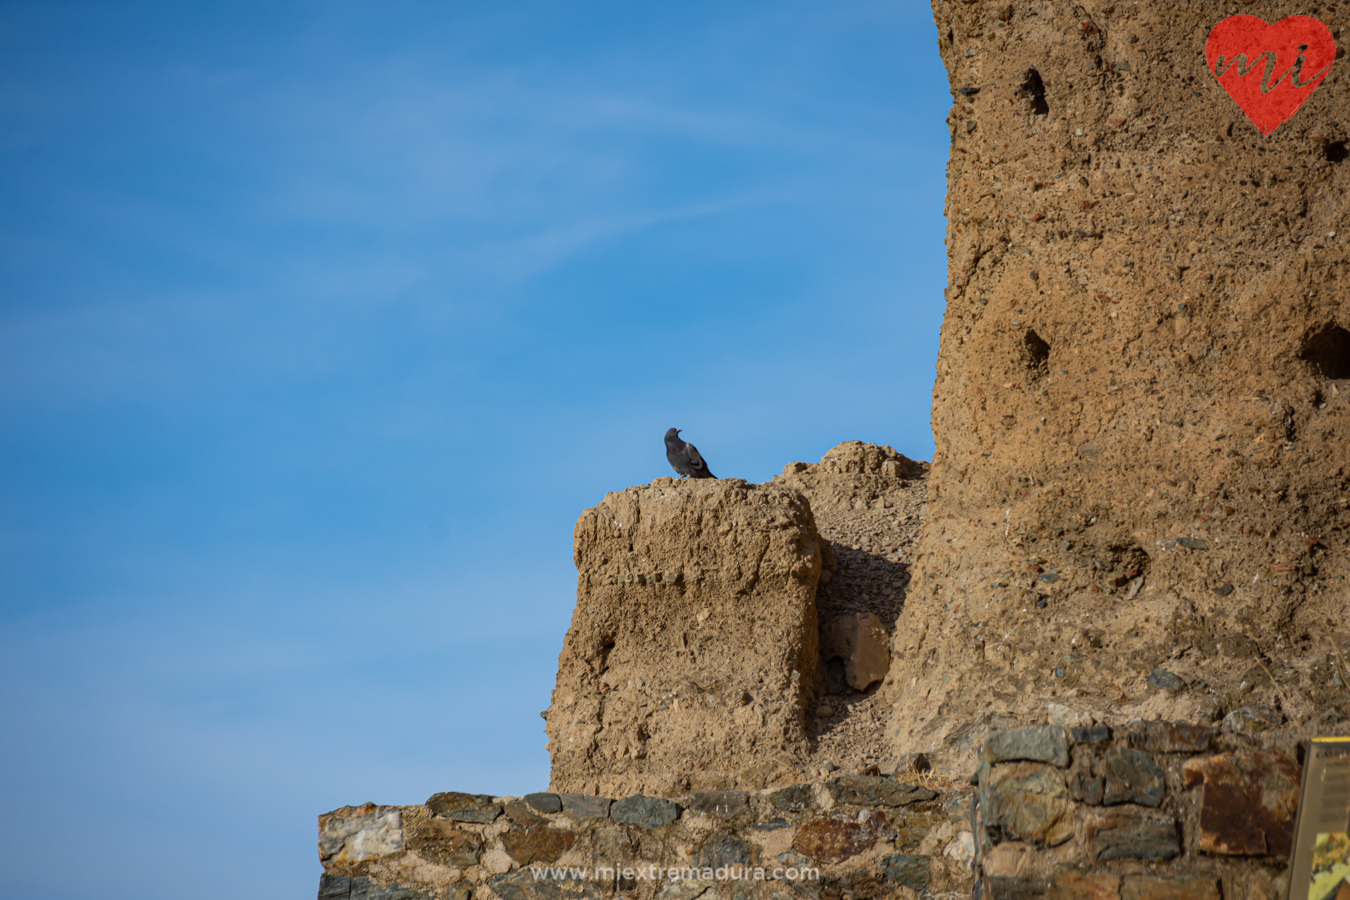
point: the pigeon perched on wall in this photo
(684, 457)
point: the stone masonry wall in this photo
(1155, 811)
(849, 837)
(1139, 500)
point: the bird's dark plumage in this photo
(684, 457)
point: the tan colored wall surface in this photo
(1142, 412)
(693, 648)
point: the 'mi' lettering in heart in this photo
(1270, 69)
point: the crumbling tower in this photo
(1142, 404)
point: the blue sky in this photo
(321, 323)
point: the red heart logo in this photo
(1270, 69)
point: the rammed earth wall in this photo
(693, 649)
(1138, 503)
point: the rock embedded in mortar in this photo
(1037, 743)
(870, 790)
(585, 806)
(1130, 776)
(1128, 832)
(1026, 802)
(645, 812)
(459, 807)
(1248, 802)
(355, 834)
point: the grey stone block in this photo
(544, 803)
(1171, 737)
(334, 887)
(584, 806)
(365, 889)
(1084, 786)
(1130, 776)
(645, 812)
(1164, 680)
(772, 825)
(1132, 833)
(1090, 734)
(1035, 743)
(340, 887)
(873, 790)
(1252, 719)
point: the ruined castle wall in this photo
(1138, 501)
(1160, 809)
(693, 650)
(1130, 596)
(859, 836)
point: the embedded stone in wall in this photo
(1038, 743)
(444, 842)
(353, 834)
(464, 807)
(724, 850)
(872, 790)
(1026, 802)
(719, 804)
(523, 885)
(585, 806)
(544, 802)
(1084, 786)
(1130, 776)
(833, 839)
(694, 644)
(1132, 833)
(1252, 719)
(340, 887)
(1060, 886)
(1248, 802)
(537, 843)
(645, 812)
(1084, 886)
(1090, 734)
(1171, 737)
(521, 813)
(795, 798)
